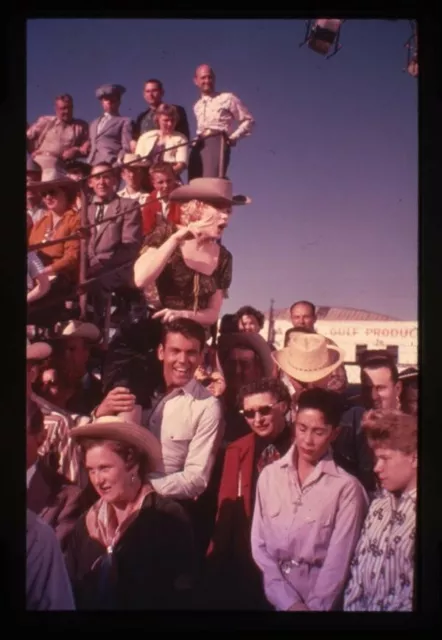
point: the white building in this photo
(356, 330)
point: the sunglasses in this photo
(49, 192)
(265, 410)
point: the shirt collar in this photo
(30, 474)
(325, 465)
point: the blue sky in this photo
(331, 167)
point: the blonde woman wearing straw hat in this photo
(133, 549)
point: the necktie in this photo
(102, 122)
(99, 215)
(268, 455)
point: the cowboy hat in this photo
(216, 191)
(409, 374)
(244, 340)
(78, 329)
(115, 428)
(52, 179)
(133, 160)
(38, 350)
(308, 357)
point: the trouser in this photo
(204, 159)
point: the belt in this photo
(286, 566)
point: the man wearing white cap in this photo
(111, 133)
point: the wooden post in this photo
(83, 251)
(221, 155)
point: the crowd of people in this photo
(176, 459)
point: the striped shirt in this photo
(382, 569)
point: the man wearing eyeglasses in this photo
(233, 578)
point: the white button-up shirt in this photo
(218, 112)
(303, 537)
(141, 196)
(188, 423)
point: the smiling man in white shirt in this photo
(215, 111)
(185, 417)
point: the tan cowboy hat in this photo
(38, 350)
(216, 191)
(254, 341)
(51, 179)
(78, 329)
(115, 428)
(308, 357)
(133, 160)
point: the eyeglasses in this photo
(49, 192)
(265, 410)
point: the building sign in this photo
(363, 334)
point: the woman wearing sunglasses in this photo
(233, 580)
(61, 260)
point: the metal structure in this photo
(322, 36)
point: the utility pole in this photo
(271, 329)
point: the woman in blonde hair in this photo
(192, 271)
(162, 144)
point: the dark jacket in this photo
(151, 566)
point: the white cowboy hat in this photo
(78, 329)
(38, 350)
(216, 191)
(115, 428)
(308, 357)
(253, 341)
(53, 178)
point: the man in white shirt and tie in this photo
(216, 111)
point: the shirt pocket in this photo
(178, 431)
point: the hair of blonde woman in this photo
(390, 429)
(167, 110)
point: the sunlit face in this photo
(211, 220)
(181, 356)
(109, 474)
(205, 79)
(302, 316)
(165, 183)
(312, 435)
(152, 94)
(104, 185)
(55, 200)
(264, 414)
(248, 324)
(166, 124)
(396, 470)
(64, 110)
(378, 389)
(50, 383)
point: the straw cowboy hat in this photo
(115, 428)
(78, 329)
(38, 350)
(216, 191)
(308, 357)
(253, 341)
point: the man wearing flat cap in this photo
(110, 134)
